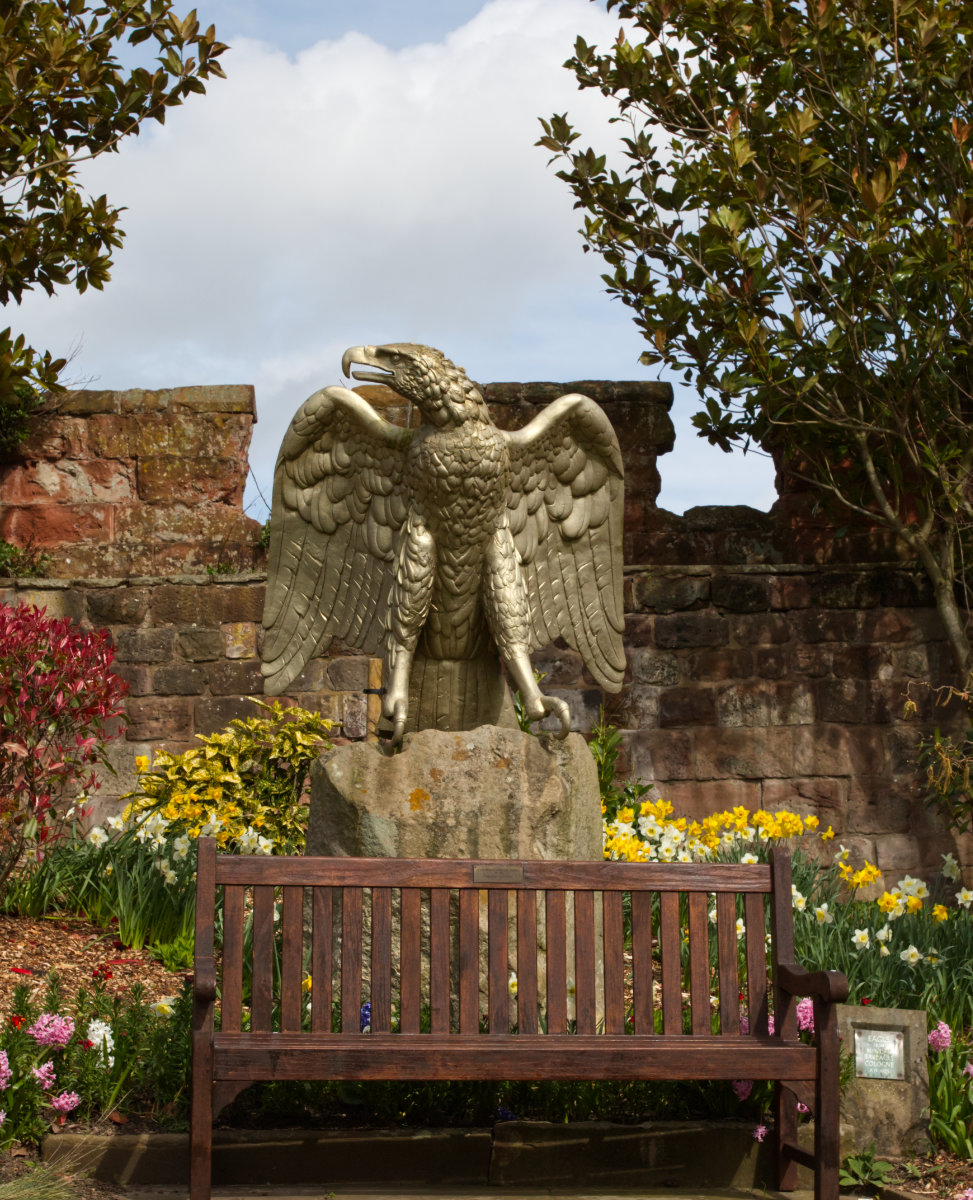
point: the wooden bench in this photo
(429, 945)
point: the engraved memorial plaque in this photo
(879, 1054)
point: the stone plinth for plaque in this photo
(884, 1101)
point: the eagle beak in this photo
(369, 356)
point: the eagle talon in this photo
(553, 705)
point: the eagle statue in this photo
(449, 549)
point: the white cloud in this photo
(355, 193)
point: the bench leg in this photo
(827, 1116)
(201, 1121)
(785, 1127)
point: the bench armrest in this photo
(830, 986)
(204, 981)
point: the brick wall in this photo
(768, 657)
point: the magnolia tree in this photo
(59, 706)
(788, 212)
(65, 98)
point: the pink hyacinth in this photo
(5, 1072)
(940, 1037)
(44, 1075)
(760, 1133)
(51, 1029)
(968, 1069)
(805, 1014)
(742, 1087)
(66, 1102)
(802, 1107)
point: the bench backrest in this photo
(435, 944)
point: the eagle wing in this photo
(565, 503)
(338, 502)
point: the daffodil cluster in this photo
(652, 834)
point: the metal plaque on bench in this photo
(879, 1054)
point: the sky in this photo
(366, 173)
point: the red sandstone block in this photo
(57, 525)
(85, 403)
(711, 666)
(236, 677)
(155, 717)
(117, 605)
(139, 400)
(765, 702)
(701, 798)
(55, 437)
(789, 591)
(636, 708)
(821, 797)
(241, 601)
(877, 804)
(185, 604)
(67, 482)
(214, 714)
(682, 706)
(743, 753)
(164, 479)
(224, 398)
(836, 750)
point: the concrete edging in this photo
(514, 1153)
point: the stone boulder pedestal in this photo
(482, 793)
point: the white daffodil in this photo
(860, 939)
(932, 957)
(741, 928)
(964, 897)
(264, 845)
(823, 915)
(116, 823)
(163, 1007)
(180, 847)
(884, 934)
(911, 956)
(950, 868)
(841, 854)
(884, 951)
(97, 836)
(799, 899)
(749, 858)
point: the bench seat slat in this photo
(507, 1056)
(458, 873)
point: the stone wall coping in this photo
(604, 391)
(29, 582)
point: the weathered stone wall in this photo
(769, 657)
(114, 484)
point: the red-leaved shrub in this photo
(59, 701)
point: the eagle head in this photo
(440, 389)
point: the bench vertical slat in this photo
(322, 966)
(557, 977)
(699, 983)
(526, 961)
(292, 959)
(613, 941)
(409, 951)
(756, 962)
(381, 961)
(351, 959)
(439, 960)
(584, 960)
(262, 998)
(231, 1010)
(785, 1013)
(782, 946)
(498, 992)
(469, 960)
(728, 962)
(201, 1120)
(670, 946)
(642, 1017)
